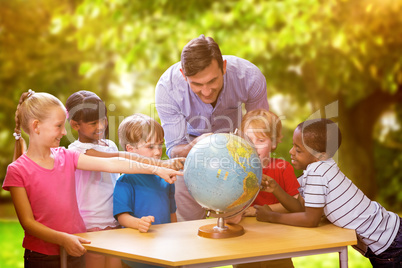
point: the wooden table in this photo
(178, 245)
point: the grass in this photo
(356, 260)
(11, 255)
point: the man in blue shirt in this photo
(204, 94)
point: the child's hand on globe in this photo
(268, 184)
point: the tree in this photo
(32, 56)
(335, 53)
(351, 53)
(320, 52)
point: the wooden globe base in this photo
(213, 231)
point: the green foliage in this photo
(347, 45)
(389, 163)
(314, 52)
(355, 260)
(11, 255)
(389, 179)
(31, 56)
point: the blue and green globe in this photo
(223, 173)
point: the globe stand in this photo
(220, 230)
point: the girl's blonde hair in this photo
(139, 127)
(265, 124)
(31, 106)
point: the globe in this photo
(223, 174)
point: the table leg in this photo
(343, 257)
(63, 258)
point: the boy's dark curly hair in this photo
(322, 135)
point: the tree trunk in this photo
(356, 154)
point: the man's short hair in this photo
(198, 54)
(321, 135)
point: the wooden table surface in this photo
(177, 244)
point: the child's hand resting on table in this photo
(249, 212)
(235, 219)
(263, 213)
(145, 223)
(73, 244)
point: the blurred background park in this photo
(340, 59)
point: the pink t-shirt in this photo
(51, 193)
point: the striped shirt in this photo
(184, 116)
(324, 185)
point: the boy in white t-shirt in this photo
(326, 190)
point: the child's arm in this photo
(278, 207)
(174, 163)
(71, 243)
(309, 218)
(235, 219)
(290, 203)
(141, 224)
(122, 165)
(173, 217)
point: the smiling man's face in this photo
(208, 83)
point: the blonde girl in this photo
(42, 182)
(264, 130)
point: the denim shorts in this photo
(34, 259)
(392, 257)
